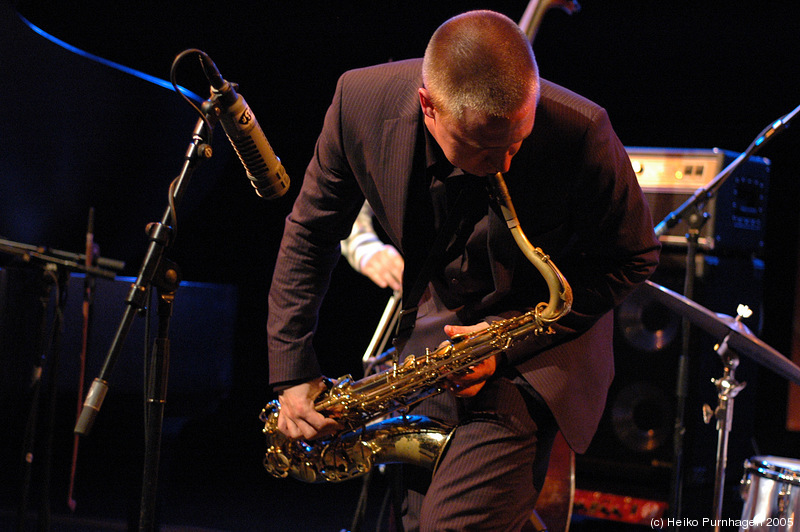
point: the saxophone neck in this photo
(560, 301)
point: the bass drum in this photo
(771, 493)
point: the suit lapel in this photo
(394, 174)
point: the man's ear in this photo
(425, 102)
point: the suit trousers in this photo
(494, 466)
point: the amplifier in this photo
(737, 210)
(623, 508)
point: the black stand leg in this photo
(29, 438)
(158, 371)
(45, 372)
(696, 221)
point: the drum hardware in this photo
(736, 338)
(727, 388)
(770, 488)
(739, 337)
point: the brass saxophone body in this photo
(362, 406)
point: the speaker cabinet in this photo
(633, 453)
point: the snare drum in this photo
(771, 493)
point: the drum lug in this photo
(744, 488)
(784, 496)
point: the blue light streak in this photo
(147, 77)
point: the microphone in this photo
(777, 126)
(263, 167)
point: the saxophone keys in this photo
(276, 463)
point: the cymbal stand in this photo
(727, 388)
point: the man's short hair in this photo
(480, 60)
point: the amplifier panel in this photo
(736, 212)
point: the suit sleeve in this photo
(321, 217)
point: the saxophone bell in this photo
(413, 440)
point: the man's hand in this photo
(467, 385)
(298, 419)
(384, 268)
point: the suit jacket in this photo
(576, 197)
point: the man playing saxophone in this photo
(420, 140)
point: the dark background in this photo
(76, 134)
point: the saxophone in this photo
(362, 406)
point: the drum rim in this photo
(771, 467)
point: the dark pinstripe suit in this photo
(576, 196)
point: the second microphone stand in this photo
(156, 271)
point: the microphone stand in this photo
(56, 266)
(691, 210)
(696, 221)
(165, 276)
